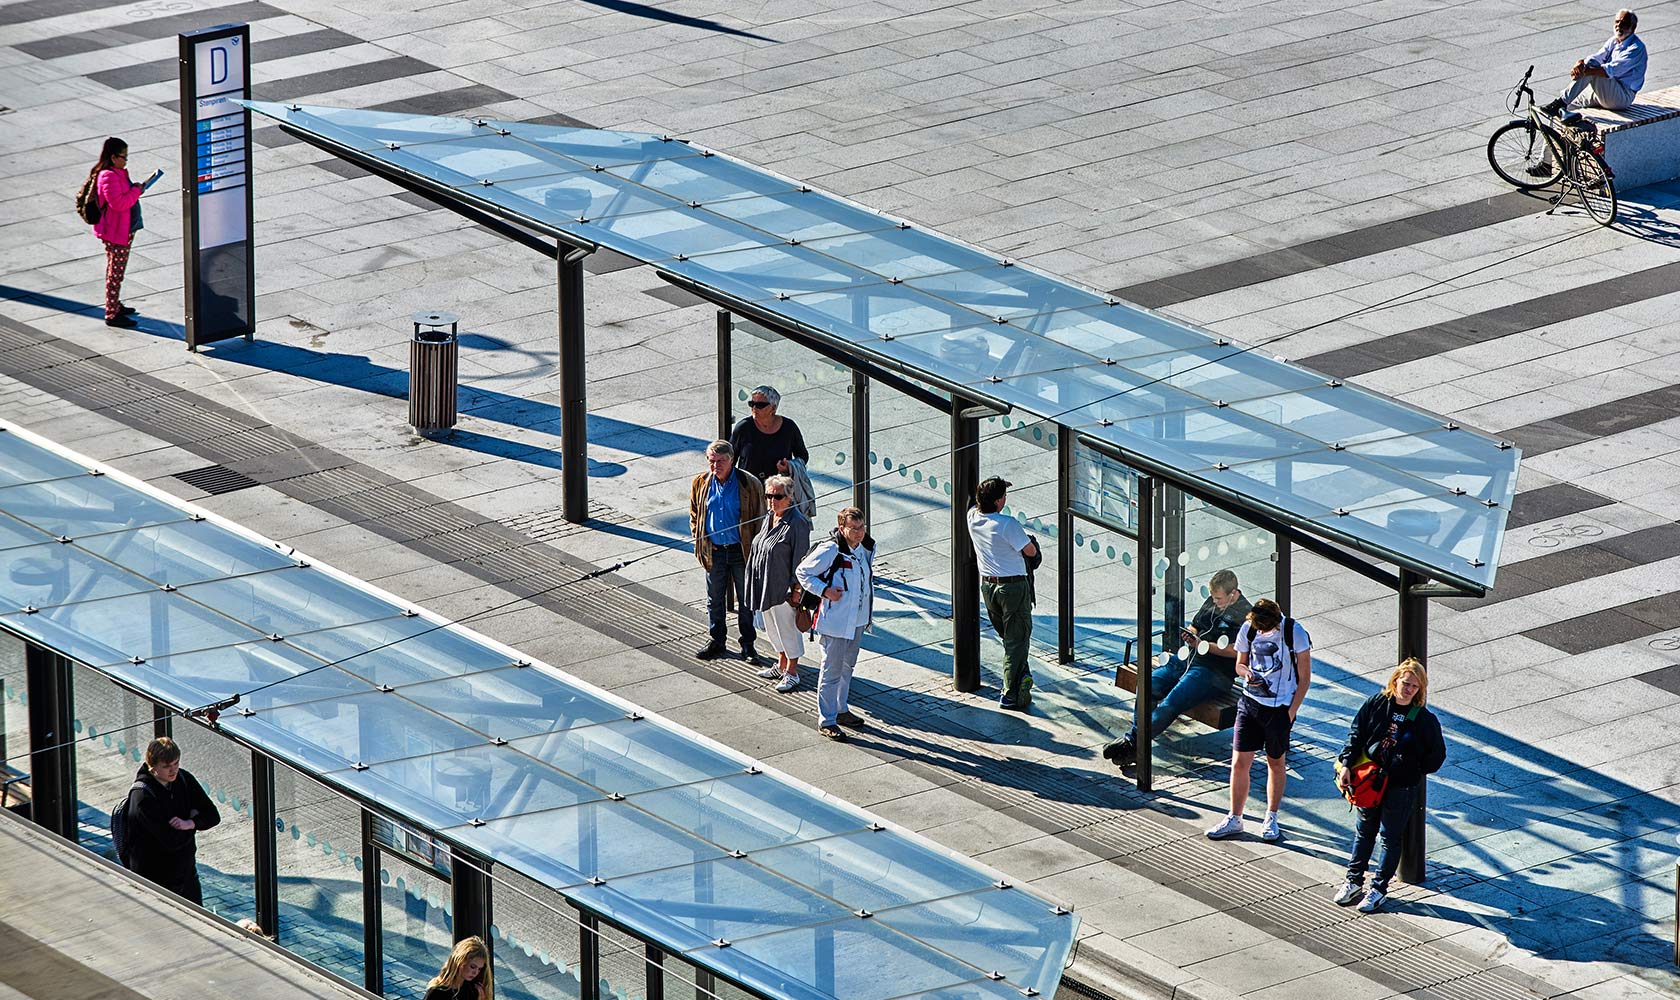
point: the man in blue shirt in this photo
(1614, 74)
(725, 511)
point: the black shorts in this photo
(1261, 726)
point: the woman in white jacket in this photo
(840, 568)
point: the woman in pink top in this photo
(117, 197)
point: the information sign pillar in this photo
(216, 237)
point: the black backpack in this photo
(87, 201)
(119, 824)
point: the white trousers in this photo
(782, 629)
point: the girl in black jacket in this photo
(165, 812)
(465, 975)
(1395, 729)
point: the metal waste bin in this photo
(433, 361)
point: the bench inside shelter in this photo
(1220, 712)
(1641, 144)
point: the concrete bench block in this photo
(1642, 144)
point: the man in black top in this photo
(1183, 684)
(765, 441)
(166, 809)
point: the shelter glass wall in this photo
(320, 866)
(14, 706)
(909, 469)
(416, 931)
(815, 394)
(227, 854)
(1024, 452)
(112, 727)
(537, 953)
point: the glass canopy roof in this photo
(1333, 459)
(744, 872)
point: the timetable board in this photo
(216, 188)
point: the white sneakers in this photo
(789, 682)
(771, 672)
(1373, 901)
(1232, 826)
(1348, 894)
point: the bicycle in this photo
(1536, 151)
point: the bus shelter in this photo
(1153, 452)
(351, 737)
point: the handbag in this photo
(802, 617)
(1366, 783)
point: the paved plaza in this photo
(1309, 176)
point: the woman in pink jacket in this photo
(118, 197)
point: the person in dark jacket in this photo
(164, 816)
(1395, 729)
(465, 975)
(776, 552)
(765, 443)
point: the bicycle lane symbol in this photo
(158, 8)
(1557, 534)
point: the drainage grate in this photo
(216, 479)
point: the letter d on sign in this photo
(218, 65)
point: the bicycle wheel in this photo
(1598, 189)
(1519, 147)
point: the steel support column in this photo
(52, 755)
(265, 843)
(373, 942)
(725, 375)
(574, 407)
(860, 442)
(163, 725)
(655, 976)
(469, 896)
(1283, 558)
(1145, 631)
(1064, 545)
(1414, 642)
(965, 573)
(589, 951)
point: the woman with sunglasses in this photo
(765, 442)
(119, 213)
(780, 543)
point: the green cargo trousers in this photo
(1009, 606)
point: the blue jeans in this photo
(1391, 816)
(1176, 690)
(729, 569)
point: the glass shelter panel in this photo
(816, 395)
(909, 470)
(227, 854)
(537, 950)
(112, 728)
(320, 866)
(415, 931)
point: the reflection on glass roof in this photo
(754, 876)
(1232, 422)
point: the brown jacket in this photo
(752, 512)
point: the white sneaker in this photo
(1230, 826)
(1373, 901)
(771, 672)
(789, 682)
(1348, 894)
(1268, 829)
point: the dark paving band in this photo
(268, 50)
(1310, 256)
(141, 30)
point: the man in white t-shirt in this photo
(1002, 548)
(1275, 670)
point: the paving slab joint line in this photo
(1104, 977)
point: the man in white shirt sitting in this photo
(1002, 548)
(1614, 74)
